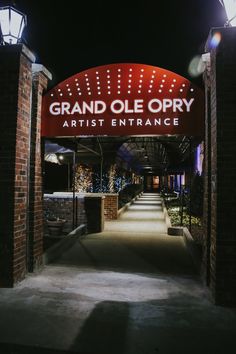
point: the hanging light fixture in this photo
(230, 9)
(12, 24)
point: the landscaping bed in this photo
(178, 212)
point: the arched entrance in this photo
(110, 101)
(146, 112)
(123, 100)
(146, 120)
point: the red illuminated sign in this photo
(123, 99)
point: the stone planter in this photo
(55, 227)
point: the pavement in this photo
(131, 289)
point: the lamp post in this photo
(230, 9)
(12, 24)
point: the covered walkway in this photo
(136, 242)
(128, 290)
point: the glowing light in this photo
(196, 66)
(215, 40)
(12, 23)
(230, 9)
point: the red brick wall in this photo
(20, 177)
(35, 193)
(111, 206)
(222, 192)
(21, 169)
(62, 207)
(15, 106)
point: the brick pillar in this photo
(111, 206)
(222, 168)
(94, 208)
(205, 271)
(35, 244)
(15, 150)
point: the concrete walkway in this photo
(129, 290)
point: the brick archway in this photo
(22, 84)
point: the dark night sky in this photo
(162, 33)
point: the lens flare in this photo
(215, 40)
(196, 66)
